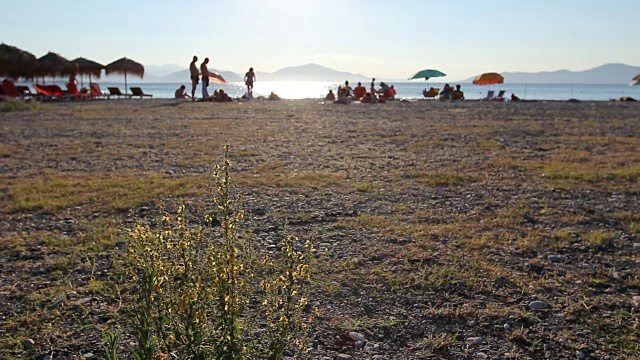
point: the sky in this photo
(385, 39)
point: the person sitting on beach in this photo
(457, 94)
(386, 91)
(181, 93)
(344, 92)
(393, 92)
(273, 96)
(359, 91)
(514, 97)
(383, 88)
(330, 96)
(446, 92)
(368, 99)
(432, 92)
(222, 96)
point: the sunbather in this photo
(446, 92)
(221, 96)
(368, 99)
(344, 92)
(195, 76)
(359, 91)
(273, 96)
(181, 93)
(457, 94)
(330, 96)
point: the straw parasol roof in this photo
(16, 63)
(89, 67)
(54, 65)
(125, 66)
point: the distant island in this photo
(604, 74)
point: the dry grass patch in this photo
(122, 191)
(441, 178)
(598, 237)
(7, 151)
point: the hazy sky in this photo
(390, 38)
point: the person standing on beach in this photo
(193, 70)
(204, 71)
(373, 86)
(249, 78)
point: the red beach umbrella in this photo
(488, 79)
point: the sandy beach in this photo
(443, 230)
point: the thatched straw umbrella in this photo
(16, 63)
(88, 67)
(125, 66)
(55, 65)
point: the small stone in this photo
(557, 258)
(96, 312)
(481, 356)
(28, 343)
(359, 345)
(580, 354)
(343, 357)
(60, 298)
(83, 301)
(538, 305)
(507, 326)
(378, 357)
(87, 356)
(474, 340)
(355, 336)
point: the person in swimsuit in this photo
(204, 71)
(195, 74)
(249, 78)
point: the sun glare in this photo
(290, 7)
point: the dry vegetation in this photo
(434, 223)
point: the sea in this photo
(406, 90)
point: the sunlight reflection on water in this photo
(292, 89)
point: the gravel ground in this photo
(443, 230)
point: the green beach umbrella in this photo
(427, 74)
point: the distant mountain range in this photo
(309, 72)
(605, 74)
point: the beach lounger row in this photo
(54, 92)
(491, 97)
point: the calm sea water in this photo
(408, 90)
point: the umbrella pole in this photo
(125, 84)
